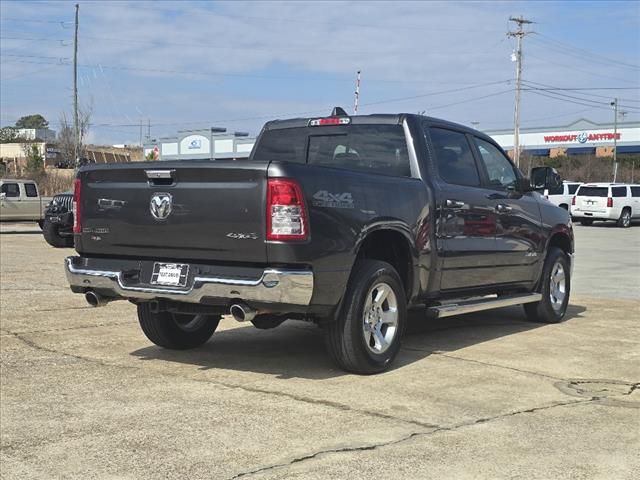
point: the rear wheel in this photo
(555, 286)
(51, 233)
(625, 218)
(366, 338)
(564, 206)
(586, 222)
(176, 331)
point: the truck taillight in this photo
(573, 200)
(77, 212)
(286, 212)
(609, 202)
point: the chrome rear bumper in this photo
(293, 287)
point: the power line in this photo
(575, 69)
(600, 105)
(585, 53)
(24, 20)
(580, 98)
(551, 88)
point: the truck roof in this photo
(376, 118)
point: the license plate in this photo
(171, 274)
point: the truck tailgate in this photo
(210, 211)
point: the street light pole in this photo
(614, 104)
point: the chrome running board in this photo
(478, 305)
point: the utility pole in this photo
(148, 129)
(357, 94)
(140, 132)
(76, 131)
(614, 104)
(519, 34)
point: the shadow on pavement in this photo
(296, 349)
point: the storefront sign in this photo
(582, 137)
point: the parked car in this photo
(20, 201)
(58, 221)
(347, 222)
(562, 194)
(606, 201)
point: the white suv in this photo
(606, 201)
(561, 196)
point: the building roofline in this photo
(504, 131)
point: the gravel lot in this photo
(83, 394)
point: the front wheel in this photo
(555, 286)
(176, 331)
(366, 338)
(51, 233)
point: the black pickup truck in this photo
(343, 221)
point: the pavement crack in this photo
(479, 362)
(408, 437)
(245, 388)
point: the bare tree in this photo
(66, 134)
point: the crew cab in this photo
(20, 201)
(344, 221)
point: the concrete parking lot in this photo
(83, 394)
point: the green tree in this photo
(35, 161)
(32, 121)
(7, 135)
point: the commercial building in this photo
(582, 137)
(208, 144)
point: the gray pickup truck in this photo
(20, 201)
(344, 221)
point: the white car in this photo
(606, 201)
(562, 195)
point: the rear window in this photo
(573, 187)
(618, 191)
(593, 192)
(635, 191)
(368, 148)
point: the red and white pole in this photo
(357, 94)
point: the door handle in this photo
(455, 204)
(501, 207)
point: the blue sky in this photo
(187, 65)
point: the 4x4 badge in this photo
(161, 205)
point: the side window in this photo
(559, 190)
(31, 190)
(573, 187)
(454, 160)
(499, 169)
(10, 189)
(618, 191)
(635, 191)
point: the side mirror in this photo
(525, 185)
(545, 178)
(3, 196)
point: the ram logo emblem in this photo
(161, 205)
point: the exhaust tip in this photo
(242, 313)
(92, 299)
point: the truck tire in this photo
(50, 232)
(41, 224)
(366, 337)
(586, 222)
(625, 218)
(176, 331)
(555, 287)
